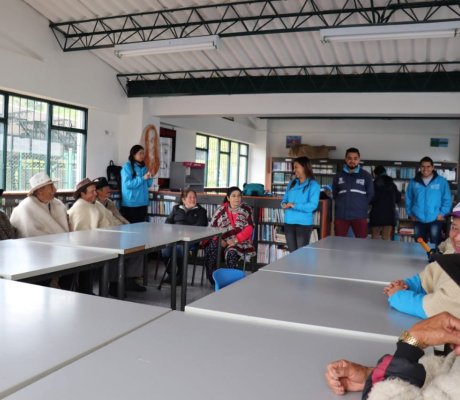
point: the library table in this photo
(396, 248)
(342, 264)
(29, 261)
(123, 244)
(43, 329)
(307, 302)
(221, 359)
(159, 235)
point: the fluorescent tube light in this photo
(391, 32)
(167, 46)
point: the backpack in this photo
(253, 189)
(114, 175)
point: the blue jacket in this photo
(410, 301)
(352, 193)
(426, 202)
(305, 197)
(134, 191)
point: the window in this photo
(41, 136)
(226, 161)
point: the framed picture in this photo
(290, 140)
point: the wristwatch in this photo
(406, 337)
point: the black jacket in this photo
(196, 216)
(386, 196)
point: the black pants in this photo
(134, 214)
(297, 235)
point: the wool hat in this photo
(456, 211)
(82, 185)
(101, 182)
(38, 181)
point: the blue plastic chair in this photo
(226, 276)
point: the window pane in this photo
(244, 149)
(213, 156)
(223, 170)
(26, 141)
(243, 170)
(2, 106)
(224, 146)
(234, 164)
(68, 117)
(67, 158)
(201, 142)
(2, 167)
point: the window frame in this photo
(50, 104)
(239, 155)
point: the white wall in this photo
(186, 129)
(32, 63)
(407, 140)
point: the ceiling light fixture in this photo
(429, 30)
(167, 46)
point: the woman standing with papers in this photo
(299, 203)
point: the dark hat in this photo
(82, 185)
(1, 191)
(450, 263)
(101, 182)
(379, 170)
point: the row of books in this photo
(282, 166)
(268, 253)
(323, 169)
(276, 215)
(160, 207)
(156, 219)
(271, 233)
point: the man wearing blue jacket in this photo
(353, 189)
(428, 201)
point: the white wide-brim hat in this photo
(39, 180)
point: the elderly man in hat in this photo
(40, 213)
(7, 231)
(86, 213)
(103, 197)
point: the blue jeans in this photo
(429, 231)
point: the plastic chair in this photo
(226, 276)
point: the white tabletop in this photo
(181, 356)
(156, 235)
(307, 302)
(341, 264)
(101, 240)
(42, 329)
(21, 259)
(403, 249)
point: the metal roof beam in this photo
(242, 18)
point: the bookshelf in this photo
(280, 173)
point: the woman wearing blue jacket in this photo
(135, 183)
(299, 203)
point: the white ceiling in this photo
(287, 49)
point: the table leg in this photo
(173, 276)
(146, 269)
(183, 297)
(219, 250)
(121, 276)
(104, 281)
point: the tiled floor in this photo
(162, 297)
